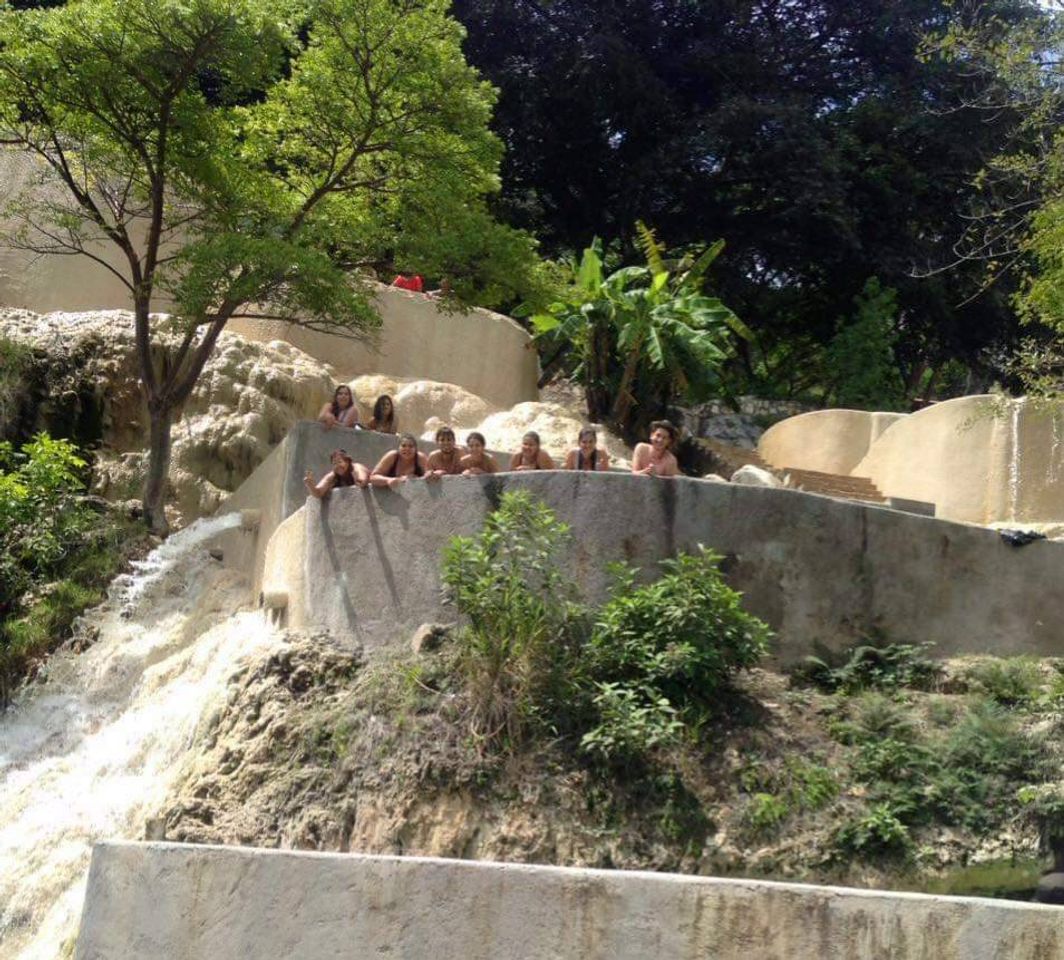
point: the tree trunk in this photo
(158, 468)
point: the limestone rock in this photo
(714, 478)
(247, 398)
(752, 476)
(557, 426)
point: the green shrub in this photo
(656, 659)
(1010, 681)
(877, 832)
(871, 667)
(516, 653)
(680, 638)
(631, 723)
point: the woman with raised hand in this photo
(446, 460)
(656, 459)
(341, 411)
(398, 466)
(587, 455)
(531, 456)
(478, 460)
(384, 418)
(345, 473)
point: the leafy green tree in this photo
(241, 153)
(861, 368)
(812, 134)
(640, 336)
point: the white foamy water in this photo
(93, 752)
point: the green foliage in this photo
(14, 360)
(654, 663)
(677, 640)
(861, 370)
(871, 667)
(515, 651)
(1011, 681)
(800, 786)
(876, 833)
(631, 722)
(41, 516)
(639, 336)
(964, 773)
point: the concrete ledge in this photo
(173, 902)
(819, 570)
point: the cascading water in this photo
(1016, 407)
(93, 751)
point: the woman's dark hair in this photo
(378, 410)
(344, 479)
(336, 402)
(417, 462)
(476, 436)
(444, 432)
(588, 433)
(668, 427)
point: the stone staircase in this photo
(721, 458)
(724, 459)
(832, 485)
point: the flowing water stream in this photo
(92, 752)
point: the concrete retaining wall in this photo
(820, 571)
(980, 459)
(276, 487)
(172, 902)
(831, 441)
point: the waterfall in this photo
(1016, 406)
(92, 751)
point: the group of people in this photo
(407, 462)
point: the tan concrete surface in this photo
(173, 902)
(276, 487)
(831, 441)
(820, 571)
(488, 354)
(979, 459)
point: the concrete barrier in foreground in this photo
(175, 902)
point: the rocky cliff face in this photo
(246, 400)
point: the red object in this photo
(414, 283)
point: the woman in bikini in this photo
(655, 459)
(345, 473)
(341, 411)
(384, 419)
(446, 460)
(531, 456)
(587, 455)
(398, 466)
(478, 460)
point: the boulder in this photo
(751, 476)
(429, 636)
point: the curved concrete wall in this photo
(172, 902)
(820, 571)
(831, 441)
(276, 488)
(978, 459)
(488, 354)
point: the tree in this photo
(640, 336)
(246, 152)
(812, 134)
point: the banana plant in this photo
(645, 325)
